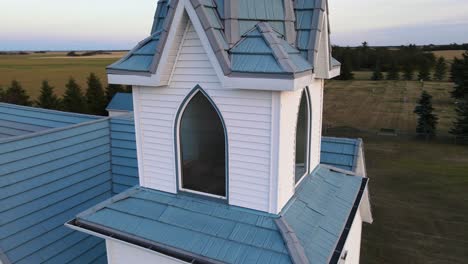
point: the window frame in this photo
(178, 150)
(304, 93)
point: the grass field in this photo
(31, 70)
(370, 105)
(419, 190)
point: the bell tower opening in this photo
(302, 138)
(202, 153)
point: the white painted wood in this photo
(352, 247)
(124, 253)
(247, 115)
(261, 125)
(316, 89)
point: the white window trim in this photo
(305, 93)
(179, 157)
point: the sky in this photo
(120, 24)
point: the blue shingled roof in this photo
(121, 102)
(45, 179)
(246, 14)
(18, 120)
(340, 152)
(319, 211)
(254, 53)
(214, 230)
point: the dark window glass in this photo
(202, 144)
(302, 139)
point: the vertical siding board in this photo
(47, 179)
(247, 115)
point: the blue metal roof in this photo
(340, 152)
(46, 179)
(255, 53)
(18, 120)
(198, 226)
(304, 16)
(319, 212)
(121, 102)
(213, 230)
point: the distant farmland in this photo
(55, 67)
(449, 54)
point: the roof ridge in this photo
(271, 38)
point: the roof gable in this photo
(227, 24)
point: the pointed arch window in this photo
(303, 138)
(202, 148)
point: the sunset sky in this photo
(119, 24)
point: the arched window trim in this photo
(178, 152)
(305, 93)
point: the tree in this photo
(112, 89)
(377, 75)
(346, 69)
(95, 98)
(459, 75)
(440, 69)
(73, 100)
(408, 72)
(424, 72)
(427, 120)
(2, 92)
(48, 99)
(460, 126)
(15, 94)
(393, 72)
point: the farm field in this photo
(418, 189)
(30, 70)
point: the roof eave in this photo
(111, 234)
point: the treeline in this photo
(93, 100)
(427, 120)
(453, 46)
(405, 62)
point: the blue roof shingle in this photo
(121, 102)
(340, 152)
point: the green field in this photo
(56, 67)
(419, 190)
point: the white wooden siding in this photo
(288, 111)
(247, 115)
(316, 99)
(352, 247)
(122, 253)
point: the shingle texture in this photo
(198, 226)
(123, 151)
(45, 180)
(19, 120)
(317, 215)
(319, 211)
(340, 152)
(229, 23)
(121, 102)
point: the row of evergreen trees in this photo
(398, 72)
(93, 101)
(427, 120)
(365, 57)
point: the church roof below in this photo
(237, 32)
(121, 102)
(18, 120)
(194, 228)
(340, 152)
